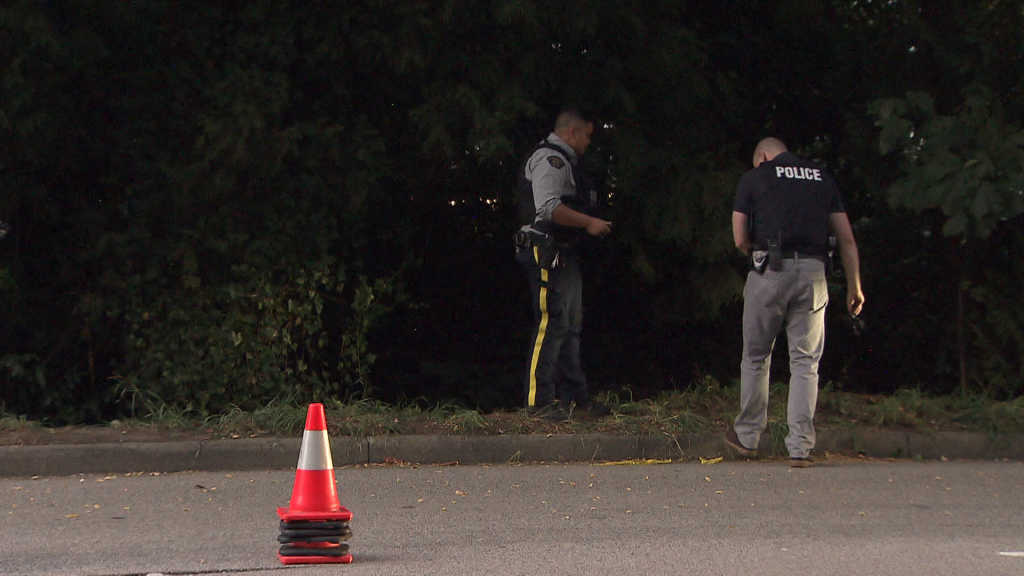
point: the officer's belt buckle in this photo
(798, 256)
(540, 238)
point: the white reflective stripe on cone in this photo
(315, 453)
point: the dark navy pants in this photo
(554, 370)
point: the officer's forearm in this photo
(566, 216)
(741, 233)
(851, 264)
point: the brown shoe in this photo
(733, 441)
(805, 462)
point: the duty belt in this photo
(794, 255)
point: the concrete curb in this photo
(282, 453)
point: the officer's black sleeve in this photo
(745, 193)
(836, 202)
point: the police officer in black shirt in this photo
(784, 212)
(557, 203)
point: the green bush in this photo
(261, 335)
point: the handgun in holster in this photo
(759, 261)
(521, 240)
(547, 250)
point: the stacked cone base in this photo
(315, 541)
(320, 525)
(296, 555)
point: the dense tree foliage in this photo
(219, 204)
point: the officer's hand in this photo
(854, 302)
(598, 227)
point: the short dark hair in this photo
(575, 113)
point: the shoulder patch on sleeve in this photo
(556, 162)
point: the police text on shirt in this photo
(797, 173)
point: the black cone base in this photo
(339, 550)
(312, 542)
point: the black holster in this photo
(547, 247)
(547, 250)
(521, 240)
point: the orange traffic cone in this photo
(314, 526)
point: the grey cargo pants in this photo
(794, 298)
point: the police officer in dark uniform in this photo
(557, 203)
(784, 212)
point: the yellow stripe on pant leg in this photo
(541, 330)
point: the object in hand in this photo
(857, 323)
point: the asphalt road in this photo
(853, 517)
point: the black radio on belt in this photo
(775, 255)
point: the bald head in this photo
(768, 149)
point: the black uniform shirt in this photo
(791, 199)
